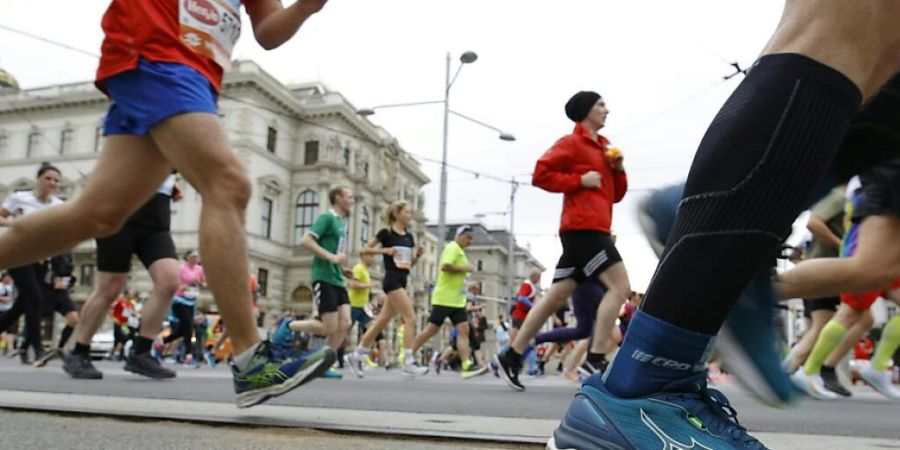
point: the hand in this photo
(470, 268)
(616, 162)
(420, 251)
(339, 259)
(388, 251)
(591, 180)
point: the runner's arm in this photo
(552, 173)
(274, 24)
(5, 220)
(310, 243)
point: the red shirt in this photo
(560, 170)
(120, 311)
(149, 29)
(527, 290)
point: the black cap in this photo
(578, 107)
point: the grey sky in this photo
(658, 64)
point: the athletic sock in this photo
(595, 359)
(513, 354)
(466, 365)
(243, 360)
(142, 345)
(64, 336)
(829, 338)
(362, 351)
(408, 358)
(887, 345)
(757, 166)
(81, 349)
(656, 355)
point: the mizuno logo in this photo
(667, 441)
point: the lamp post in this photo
(511, 244)
(466, 58)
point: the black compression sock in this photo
(757, 165)
(81, 349)
(596, 358)
(64, 336)
(142, 345)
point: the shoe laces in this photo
(714, 412)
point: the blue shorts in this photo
(359, 315)
(153, 92)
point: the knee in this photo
(232, 188)
(72, 319)
(99, 220)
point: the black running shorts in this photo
(329, 297)
(586, 254)
(149, 244)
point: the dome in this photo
(7, 80)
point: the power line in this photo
(48, 41)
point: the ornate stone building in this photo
(295, 141)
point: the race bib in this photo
(191, 292)
(210, 28)
(403, 257)
(61, 283)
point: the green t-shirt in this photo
(359, 298)
(331, 234)
(449, 290)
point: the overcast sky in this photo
(658, 64)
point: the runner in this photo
(585, 303)
(7, 296)
(179, 54)
(591, 176)
(27, 278)
(400, 253)
(327, 240)
(57, 278)
(191, 279)
(359, 291)
(525, 298)
(145, 234)
(448, 301)
(757, 166)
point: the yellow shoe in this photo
(368, 361)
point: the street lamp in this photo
(466, 58)
(510, 245)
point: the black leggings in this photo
(28, 302)
(185, 316)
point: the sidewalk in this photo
(387, 423)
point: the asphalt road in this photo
(866, 415)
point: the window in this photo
(4, 143)
(34, 142)
(262, 278)
(87, 275)
(366, 169)
(479, 265)
(271, 139)
(311, 155)
(98, 138)
(364, 226)
(267, 217)
(305, 212)
(347, 157)
(65, 141)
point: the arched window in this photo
(364, 226)
(302, 299)
(305, 212)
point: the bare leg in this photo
(380, 323)
(312, 326)
(801, 350)
(556, 297)
(164, 273)
(426, 334)
(108, 286)
(462, 342)
(615, 278)
(198, 147)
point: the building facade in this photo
(296, 142)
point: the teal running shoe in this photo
(698, 418)
(269, 375)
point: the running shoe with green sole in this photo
(269, 376)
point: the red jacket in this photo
(560, 170)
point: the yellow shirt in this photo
(449, 290)
(359, 298)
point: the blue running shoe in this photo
(333, 374)
(699, 419)
(269, 375)
(747, 342)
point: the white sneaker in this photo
(880, 381)
(355, 363)
(812, 385)
(414, 370)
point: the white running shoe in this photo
(880, 381)
(414, 370)
(812, 385)
(355, 363)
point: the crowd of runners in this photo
(814, 124)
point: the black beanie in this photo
(578, 107)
